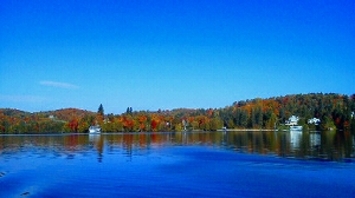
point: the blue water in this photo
(113, 168)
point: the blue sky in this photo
(151, 54)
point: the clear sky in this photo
(151, 54)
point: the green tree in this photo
(243, 118)
(215, 124)
(129, 110)
(101, 110)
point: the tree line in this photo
(335, 111)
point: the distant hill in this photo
(68, 113)
(65, 114)
(14, 112)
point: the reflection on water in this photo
(295, 138)
(98, 142)
(192, 164)
(334, 146)
(315, 139)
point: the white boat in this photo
(94, 129)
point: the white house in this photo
(292, 121)
(314, 121)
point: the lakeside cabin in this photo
(292, 122)
(314, 121)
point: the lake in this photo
(175, 164)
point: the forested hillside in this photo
(335, 111)
(16, 121)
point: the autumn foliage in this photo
(334, 110)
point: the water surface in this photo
(198, 164)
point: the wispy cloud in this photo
(59, 84)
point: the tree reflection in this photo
(305, 145)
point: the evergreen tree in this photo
(129, 110)
(101, 110)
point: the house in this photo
(292, 121)
(314, 121)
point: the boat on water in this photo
(292, 122)
(94, 129)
